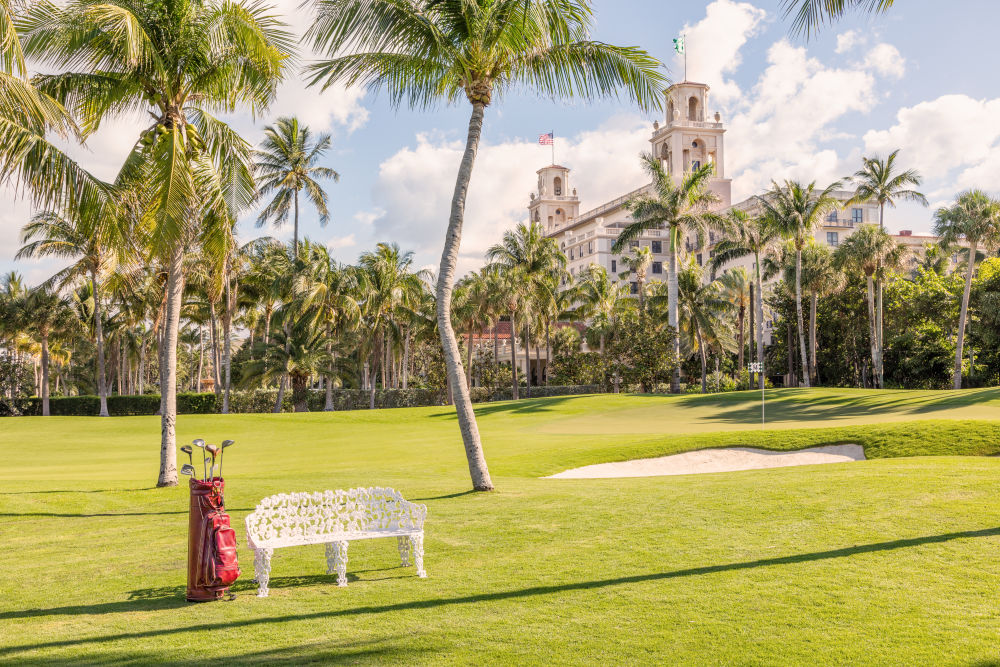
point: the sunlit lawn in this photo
(891, 560)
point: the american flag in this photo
(548, 139)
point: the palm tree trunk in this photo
(548, 350)
(406, 359)
(201, 354)
(102, 387)
(704, 359)
(328, 404)
(675, 380)
(753, 329)
(279, 401)
(295, 239)
(446, 276)
(168, 371)
(45, 375)
(642, 294)
(538, 363)
(964, 314)
(798, 317)
(878, 334)
(813, 370)
(216, 365)
(227, 343)
(739, 325)
(513, 356)
(468, 361)
(759, 332)
(873, 328)
(527, 357)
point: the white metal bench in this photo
(334, 518)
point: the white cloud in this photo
(886, 60)
(954, 141)
(847, 40)
(713, 45)
(415, 185)
(340, 242)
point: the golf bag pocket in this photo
(222, 566)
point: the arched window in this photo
(557, 184)
(693, 108)
(538, 216)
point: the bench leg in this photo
(331, 557)
(417, 547)
(404, 550)
(262, 570)
(340, 561)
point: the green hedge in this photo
(262, 400)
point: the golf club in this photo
(188, 469)
(200, 444)
(222, 456)
(213, 450)
(187, 450)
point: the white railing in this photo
(613, 204)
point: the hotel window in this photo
(590, 248)
(614, 266)
(831, 216)
(831, 238)
(657, 246)
(571, 253)
(699, 259)
(657, 267)
(857, 216)
(633, 244)
(634, 287)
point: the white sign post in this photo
(758, 367)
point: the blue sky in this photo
(920, 78)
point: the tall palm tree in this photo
(287, 164)
(748, 235)
(974, 217)
(96, 242)
(736, 286)
(819, 278)
(537, 259)
(638, 263)
(427, 51)
(703, 314)
(796, 210)
(47, 314)
(601, 301)
(681, 208)
(880, 181)
(867, 251)
(119, 57)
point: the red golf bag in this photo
(212, 563)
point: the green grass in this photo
(886, 561)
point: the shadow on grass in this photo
(520, 406)
(106, 514)
(457, 494)
(515, 594)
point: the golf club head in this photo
(227, 443)
(187, 469)
(212, 449)
(186, 449)
(199, 443)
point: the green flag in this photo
(679, 45)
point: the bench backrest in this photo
(287, 516)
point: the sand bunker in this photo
(716, 460)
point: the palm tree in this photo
(867, 251)
(974, 217)
(297, 351)
(681, 208)
(819, 278)
(287, 164)
(702, 312)
(601, 301)
(96, 242)
(188, 168)
(796, 210)
(427, 51)
(46, 314)
(638, 262)
(526, 251)
(811, 14)
(746, 235)
(880, 181)
(735, 286)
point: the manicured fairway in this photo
(887, 561)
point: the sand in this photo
(716, 460)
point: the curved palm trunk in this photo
(446, 275)
(813, 370)
(102, 385)
(804, 363)
(45, 376)
(468, 361)
(704, 359)
(168, 371)
(964, 314)
(873, 328)
(675, 380)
